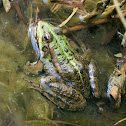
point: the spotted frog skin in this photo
(67, 83)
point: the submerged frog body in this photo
(67, 83)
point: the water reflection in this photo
(21, 105)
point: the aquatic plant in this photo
(124, 119)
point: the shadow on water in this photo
(19, 104)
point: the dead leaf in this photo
(7, 5)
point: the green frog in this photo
(69, 75)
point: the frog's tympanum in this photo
(68, 74)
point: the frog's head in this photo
(45, 35)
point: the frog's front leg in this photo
(33, 68)
(36, 67)
(93, 76)
(61, 93)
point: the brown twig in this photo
(79, 27)
(87, 25)
(20, 14)
(9, 108)
(69, 3)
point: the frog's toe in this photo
(33, 68)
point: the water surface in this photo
(22, 105)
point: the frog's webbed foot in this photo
(61, 94)
(32, 84)
(33, 68)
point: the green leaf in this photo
(118, 55)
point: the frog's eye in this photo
(47, 37)
(45, 48)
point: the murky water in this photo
(19, 103)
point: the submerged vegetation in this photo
(94, 24)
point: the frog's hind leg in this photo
(61, 94)
(94, 80)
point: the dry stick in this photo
(9, 108)
(10, 123)
(20, 14)
(97, 22)
(70, 3)
(120, 13)
(123, 20)
(124, 13)
(79, 27)
(64, 22)
(74, 11)
(55, 8)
